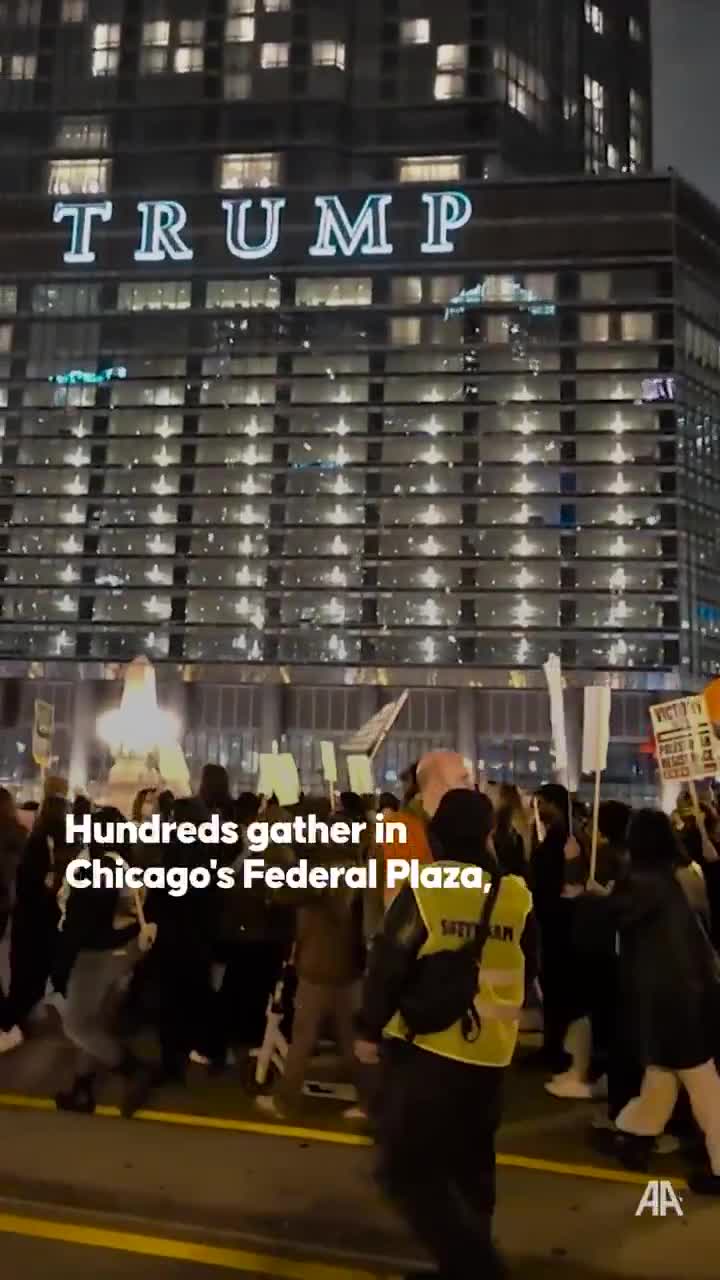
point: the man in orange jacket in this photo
(435, 774)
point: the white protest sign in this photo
(329, 763)
(279, 777)
(686, 745)
(596, 728)
(360, 775)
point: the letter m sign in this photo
(660, 1199)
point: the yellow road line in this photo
(180, 1250)
(335, 1137)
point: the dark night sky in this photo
(686, 40)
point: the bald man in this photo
(437, 773)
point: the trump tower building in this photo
(315, 387)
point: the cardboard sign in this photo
(329, 763)
(279, 776)
(687, 748)
(360, 775)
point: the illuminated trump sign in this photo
(253, 227)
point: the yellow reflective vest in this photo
(450, 917)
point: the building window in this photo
(595, 146)
(594, 17)
(613, 156)
(80, 133)
(406, 290)
(237, 84)
(243, 293)
(274, 55)
(348, 291)
(240, 30)
(189, 54)
(595, 286)
(405, 331)
(636, 326)
(276, 6)
(73, 10)
(635, 30)
(637, 130)
(254, 169)
(450, 71)
(328, 53)
(65, 299)
(154, 297)
(429, 169)
(27, 13)
(78, 177)
(527, 90)
(106, 48)
(415, 31)
(235, 7)
(8, 298)
(23, 66)
(595, 326)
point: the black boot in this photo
(139, 1080)
(704, 1183)
(80, 1097)
(630, 1150)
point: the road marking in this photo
(336, 1137)
(181, 1250)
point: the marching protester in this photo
(434, 775)
(445, 1037)
(12, 838)
(105, 935)
(33, 931)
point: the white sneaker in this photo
(199, 1058)
(11, 1039)
(270, 1106)
(355, 1113)
(569, 1085)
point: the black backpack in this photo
(443, 986)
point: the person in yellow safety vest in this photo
(440, 1095)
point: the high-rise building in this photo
(302, 400)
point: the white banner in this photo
(367, 740)
(596, 728)
(553, 675)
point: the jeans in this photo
(313, 1004)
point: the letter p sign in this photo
(446, 211)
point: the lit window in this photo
(335, 291)
(429, 169)
(23, 66)
(595, 327)
(240, 30)
(405, 331)
(594, 93)
(8, 298)
(415, 31)
(613, 156)
(452, 57)
(594, 17)
(276, 6)
(73, 10)
(327, 53)
(635, 30)
(188, 58)
(236, 7)
(636, 326)
(637, 130)
(273, 56)
(155, 51)
(254, 169)
(243, 293)
(78, 177)
(449, 85)
(237, 84)
(406, 290)
(154, 297)
(519, 99)
(77, 133)
(106, 48)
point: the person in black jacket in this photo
(562, 1002)
(669, 988)
(12, 840)
(104, 936)
(33, 933)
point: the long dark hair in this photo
(50, 819)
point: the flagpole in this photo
(398, 708)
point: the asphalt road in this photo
(45, 1259)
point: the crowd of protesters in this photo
(621, 966)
